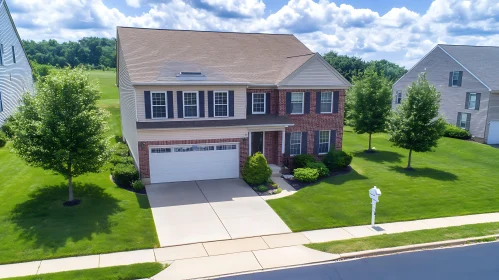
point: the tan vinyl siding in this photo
(15, 78)
(437, 66)
(190, 134)
(127, 108)
(239, 101)
(313, 72)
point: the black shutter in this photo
(318, 102)
(289, 106)
(287, 143)
(201, 104)
(169, 96)
(180, 105)
(304, 142)
(231, 103)
(332, 140)
(210, 104)
(458, 120)
(336, 100)
(477, 105)
(249, 103)
(147, 103)
(316, 142)
(467, 101)
(460, 80)
(267, 103)
(468, 121)
(450, 78)
(307, 103)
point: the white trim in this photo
(197, 104)
(332, 101)
(301, 140)
(228, 127)
(264, 103)
(152, 106)
(215, 103)
(302, 103)
(189, 83)
(328, 142)
(283, 142)
(188, 145)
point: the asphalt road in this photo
(477, 262)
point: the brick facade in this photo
(272, 147)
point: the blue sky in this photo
(401, 31)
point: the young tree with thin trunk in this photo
(416, 124)
(61, 128)
(369, 101)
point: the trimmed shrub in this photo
(274, 185)
(117, 159)
(337, 160)
(300, 161)
(453, 131)
(138, 185)
(261, 188)
(256, 170)
(278, 191)
(306, 174)
(320, 167)
(120, 149)
(7, 127)
(3, 139)
(124, 174)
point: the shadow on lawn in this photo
(44, 220)
(426, 172)
(350, 176)
(378, 156)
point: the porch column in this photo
(283, 141)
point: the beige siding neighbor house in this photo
(468, 81)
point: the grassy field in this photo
(406, 238)
(35, 225)
(459, 178)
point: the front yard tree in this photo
(61, 128)
(369, 101)
(416, 124)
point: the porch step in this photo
(276, 170)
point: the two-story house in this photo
(467, 79)
(15, 70)
(195, 104)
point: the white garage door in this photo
(193, 162)
(493, 137)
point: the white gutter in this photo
(189, 83)
(226, 127)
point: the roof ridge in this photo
(206, 31)
(467, 46)
(312, 53)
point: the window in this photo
(1, 54)
(399, 97)
(297, 103)
(13, 54)
(324, 140)
(226, 147)
(455, 78)
(463, 120)
(160, 150)
(191, 104)
(326, 102)
(472, 101)
(1, 103)
(158, 105)
(221, 104)
(295, 143)
(259, 103)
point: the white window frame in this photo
(302, 103)
(465, 121)
(215, 103)
(197, 104)
(457, 80)
(253, 103)
(469, 100)
(398, 97)
(166, 105)
(332, 101)
(328, 141)
(291, 144)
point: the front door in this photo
(256, 142)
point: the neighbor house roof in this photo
(158, 55)
(480, 61)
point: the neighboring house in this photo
(15, 70)
(195, 104)
(468, 80)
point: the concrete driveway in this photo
(202, 211)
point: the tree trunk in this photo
(369, 141)
(409, 161)
(70, 185)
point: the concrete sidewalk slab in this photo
(169, 254)
(399, 227)
(67, 264)
(324, 235)
(473, 219)
(209, 266)
(293, 255)
(284, 240)
(437, 223)
(19, 269)
(126, 258)
(361, 231)
(235, 246)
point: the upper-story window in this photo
(472, 101)
(258, 103)
(191, 104)
(13, 54)
(1, 54)
(158, 104)
(399, 97)
(297, 102)
(455, 78)
(326, 102)
(221, 104)
(295, 143)
(324, 141)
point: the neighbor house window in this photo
(221, 104)
(463, 121)
(191, 104)
(13, 54)
(399, 96)
(1, 54)
(326, 102)
(297, 103)
(455, 78)
(295, 143)
(1, 102)
(259, 103)
(472, 101)
(158, 105)
(324, 140)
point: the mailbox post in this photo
(374, 194)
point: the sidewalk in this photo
(237, 255)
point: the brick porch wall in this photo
(144, 150)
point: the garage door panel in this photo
(493, 137)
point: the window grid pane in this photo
(295, 143)
(472, 101)
(297, 102)
(324, 141)
(158, 105)
(455, 78)
(221, 102)
(190, 104)
(464, 118)
(259, 103)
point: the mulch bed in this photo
(297, 185)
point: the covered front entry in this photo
(493, 137)
(193, 162)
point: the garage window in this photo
(226, 147)
(191, 104)
(160, 150)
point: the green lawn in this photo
(35, 225)
(125, 272)
(406, 238)
(459, 178)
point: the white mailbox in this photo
(375, 193)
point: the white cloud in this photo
(134, 3)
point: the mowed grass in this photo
(35, 225)
(459, 178)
